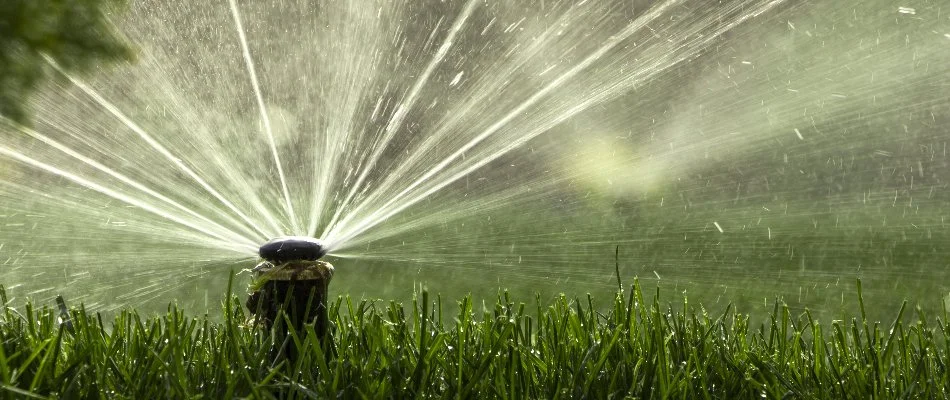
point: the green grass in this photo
(566, 349)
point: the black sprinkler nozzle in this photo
(292, 248)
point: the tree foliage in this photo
(75, 34)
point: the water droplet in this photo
(457, 79)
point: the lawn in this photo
(515, 348)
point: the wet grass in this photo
(565, 349)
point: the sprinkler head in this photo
(291, 282)
(292, 248)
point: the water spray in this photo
(291, 280)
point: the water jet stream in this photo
(337, 240)
(161, 149)
(240, 245)
(265, 119)
(139, 186)
(396, 120)
(638, 24)
(738, 149)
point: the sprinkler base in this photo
(297, 289)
